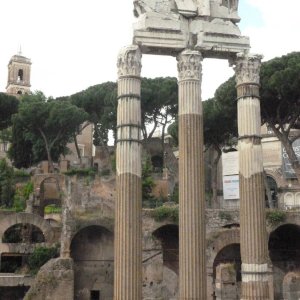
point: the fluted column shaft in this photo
(192, 267)
(254, 251)
(128, 234)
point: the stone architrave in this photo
(254, 250)
(170, 26)
(192, 246)
(128, 229)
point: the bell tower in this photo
(18, 81)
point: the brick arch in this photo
(220, 241)
(21, 218)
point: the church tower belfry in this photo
(18, 81)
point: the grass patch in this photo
(52, 209)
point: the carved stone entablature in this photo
(170, 26)
(129, 61)
(189, 65)
(226, 9)
(247, 68)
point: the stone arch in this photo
(160, 262)
(227, 272)
(107, 224)
(219, 240)
(92, 251)
(169, 238)
(23, 233)
(23, 218)
(284, 250)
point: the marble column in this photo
(128, 229)
(192, 266)
(254, 250)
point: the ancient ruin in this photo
(106, 246)
(191, 31)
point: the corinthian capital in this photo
(129, 61)
(247, 68)
(189, 65)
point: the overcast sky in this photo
(73, 44)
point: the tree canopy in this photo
(100, 103)
(8, 107)
(46, 125)
(280, 101)
(159, 104)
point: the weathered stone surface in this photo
(128, 229)
(254, 250)
(55, 280)
(192, 270)
(168, 27)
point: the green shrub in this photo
(22, 194)
(40, 256)
(275, 217)
(81, 172)
(175, 194)
(52, 209)
(21, 174)
(7, 184)
(166, 212)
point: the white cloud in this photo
(279, 34)
(73, 44)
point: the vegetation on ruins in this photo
(275, 217)
(40, 256)
(7, 185)
(81, 172)
(162, 213)
(147, 184)
(52, 209)
(13, 196)
(47, 125)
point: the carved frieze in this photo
(247, 68)
(189, 65)
(129, 61)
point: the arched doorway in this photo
(168, 235)
(92, 251)
(160, 266)
(284, 251)
(227, 273)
